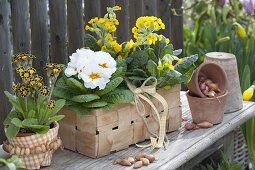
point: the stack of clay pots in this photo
(204, 106)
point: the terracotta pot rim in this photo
(230, 55)
(206, 98)
(30, 134)
(201, 67)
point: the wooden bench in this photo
(186, 148)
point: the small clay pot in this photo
(210, 71)
(207, 109)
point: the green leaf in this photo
(73, 83)
(54, 119)
(59, 105)
(17, 122)
(85, 98)
(169, 78)
(177, 52)
(31, 114)
(79, 109)
(95, 104)
(10, 116)
(152, 68)
(158, 48)
(91, 42)
(140, 73)
(168, 49)
(61, 83)
(13, 101)
(140, 59)
(40, 129)
(185, 65)
(246, 82)
(30, 121)
(137, 78)
(119, 96)
(12, 131)
(62, 93)
(113, 84)
(151, 54)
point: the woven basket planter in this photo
(35, 150)
(102, 131)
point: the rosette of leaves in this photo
(33, 110)
(144, 62)
(82, 100)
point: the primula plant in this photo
(33, 109)
(152, 55)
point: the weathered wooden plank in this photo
(39, 34)
(184, 145)
(163, 12)
(136, 9)
(20, 26)
(88, 13)
(75, 25)
(150, 7)
(123, 16)
(176, 24)
(5, 64)
(104, 4)
(58, 39)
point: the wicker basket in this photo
(241, 154)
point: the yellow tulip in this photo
(247, 94)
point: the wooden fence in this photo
(53, 29)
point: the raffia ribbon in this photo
(143, 92)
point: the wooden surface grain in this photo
(184, 145)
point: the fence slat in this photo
(136, 9)
(75, 25)
(104, 4)
(5, 64)
(20, 26)
(163, 9)
(58, 49)
(176, 24)
(39, 34)
(123, 29)
(150, 7)
(88, 13)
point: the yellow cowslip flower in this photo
(117, 8)
(160, 37)
(113, 28)
(169, 66)
(101, 20)
(134, 30)
(159, 67)
(130, 44)
(117, 47)
(147, 24)
(247, 94)
(162, 26)
(109, 36)
(167, 41)
(155, 26)
(149, 39)
(154, 39)
(119, 57)
(87, 27)
(107, 26)
(180, 60)
(103, 48)
(136, 35)
(99, 42)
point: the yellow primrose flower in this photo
(117, 48)
(160, 37)
(155, 26)
(169, 66)
(180, 60)
(113, 28)
(99, 42)
(119, 57)
(103, 48)
(247, 94)
(134, 30)
(167, 41)
(130, 44)
(108, 26)
(160, 67)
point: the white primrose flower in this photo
(106, 62)
(93, 76)
(78, 62)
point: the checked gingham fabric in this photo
(35, 161)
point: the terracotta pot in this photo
(210, 71)
(207, 109)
